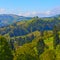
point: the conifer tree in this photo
(5, 50)
(56, 37)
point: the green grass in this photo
(49, 42)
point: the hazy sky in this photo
(30, 7)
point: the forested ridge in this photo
(35, 39)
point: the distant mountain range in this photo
(6, 19)
(25, 27)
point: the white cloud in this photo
(47, 13)
(33, 13)
(2, 10)
(42, 14)
(55, 11)
(24, 14)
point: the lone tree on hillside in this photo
(56, 40)
(40, 45)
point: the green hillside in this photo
(28, 26)
(35, 39)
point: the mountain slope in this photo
(6, 19)
(26, 27)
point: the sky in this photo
(30, 7)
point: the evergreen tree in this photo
(5, 50)
(12, 44)
(56, 37)
(40, 45)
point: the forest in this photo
(34, 39)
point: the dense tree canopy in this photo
(35, 39)
(5, 50)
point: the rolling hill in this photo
(6, 19)
(27, 26)
(37, 37)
